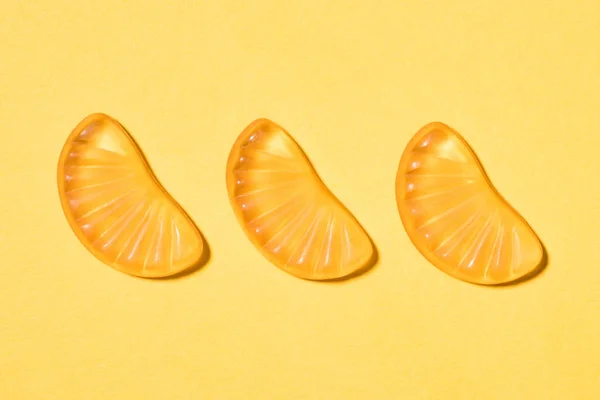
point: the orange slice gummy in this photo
(287, 212)
(455, 217)
(117, 208)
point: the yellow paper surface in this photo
(352, 81)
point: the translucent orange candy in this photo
(117, 208)
(287, 212)
(455, 217)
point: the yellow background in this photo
(352, 81)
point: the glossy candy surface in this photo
(117, 208)
(455, 217)
(286, 210)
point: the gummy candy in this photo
(116, 206)
(455, 217)
(287, 212)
